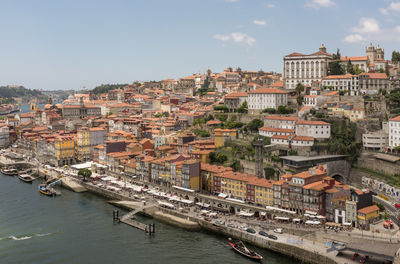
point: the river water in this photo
(78, 228)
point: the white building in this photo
(310, 100)
(371, 83)
(297, 141)
(285, 122)
(270, 131)
(375, 140)
(235, 100)
(345, 82)
(263, 98)
(315, 129)
(394, 132)
(362, 62)
(305, 69)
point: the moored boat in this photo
(26, 178)
(47, 190)
(239, 247)
(9, 172)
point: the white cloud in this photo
(384, 11)
(259, 22)
(270, 5)
(243, 38)
(222, 37)
(238, 37)
(352, 38)
(397, 29)
(232, 1)
(317, 4)
(367, 25)
(394, 6)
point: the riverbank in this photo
(307, 252)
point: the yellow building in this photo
(207, 175)
(232, 184)
(83, 144)
(260, 191)
(64, 147)
(367, 215)
(220, 135)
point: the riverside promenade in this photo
(310, 247)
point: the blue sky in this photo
(70, 44)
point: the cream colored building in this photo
(305, 69)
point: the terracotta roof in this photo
(309, 122)
(277, 84)
(236, 95)
(295, 54)
(375, 75)
(345, 76)
(397, 119)
(264, 90)
(308, 174)
(368, 209)
(317, 186)
(359, 58)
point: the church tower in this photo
(371, 53)
(380, 54)
(322, 48)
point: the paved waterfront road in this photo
(78, 228)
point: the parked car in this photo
(251, 230)
(262, 233)
(278, 230)
(231, 225)
(219, 222)
(397, 205)
(270, 236)
(208, 219)
(243, 228)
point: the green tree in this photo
(382, 70)
(269, 172)
(395, 56)
(105, 88)
(254, 125)
(283, 110)
(243, 108)
(357, 70)
(335, 67)
(222, 118)
(206, 83)
(299, 88)
(222, 108)
(269, 110)
(85, 173)
(350, 67)
(299, 100)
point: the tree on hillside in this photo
(357, 70)
(350, 68)
(299, 100)
(104, 88)
(243, 108)
(395, 56)
(299, 88)
(85, 173)
(335, 67)
(254, 125)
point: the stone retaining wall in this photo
(288, 250)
